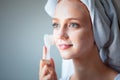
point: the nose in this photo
(62, 33)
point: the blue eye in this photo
(73, 25)
(55, 25)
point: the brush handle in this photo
(48, 53)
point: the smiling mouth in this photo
(65, 46)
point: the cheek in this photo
(77, 37)
(55, 36)
(82, 41)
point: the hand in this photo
(47, 68)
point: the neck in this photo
(91, 68)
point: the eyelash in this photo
(71, 25)
(74, 25)
(55, 25)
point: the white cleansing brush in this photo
(48, 40)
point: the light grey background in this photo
(22, 26)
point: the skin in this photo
(74, 39)
(80, 36)
(47, 68)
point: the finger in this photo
(52, 63)
(52, 70)
(41, 65)
(48, 73)
(48, 77)
(44, 72)
(44, 52)
(40, 69)
(52, 75)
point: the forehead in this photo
(70, 8)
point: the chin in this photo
(66, 55)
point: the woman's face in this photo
(72, 29)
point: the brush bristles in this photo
(48, 40)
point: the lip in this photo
(64, 46)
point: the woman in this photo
(87, 32)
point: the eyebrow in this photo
(67, 18)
